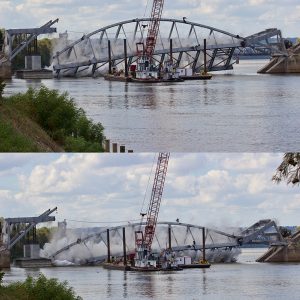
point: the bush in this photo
(12, 141)
(79, 144)
(58, 115)
(40, 288)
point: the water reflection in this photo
(205, 92)
(126, 96)
(252, 280)
(110, 96)
(170, 283)
(109, 284)
(171, 93)
(125, 285)
(204, 282)
(243, 113)
(145, 285)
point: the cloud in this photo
(250, 161)
(200, 188)
(75, 15)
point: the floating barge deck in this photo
(34, 74)
(197, 77)
(33, 262)
(117, 78)
(157, 80)
(121, 267)
(112, 266)
(196, 266)
(132, 79)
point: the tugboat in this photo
(147, 72)
(144, 262)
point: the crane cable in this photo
(146, 192)
(145, 195)
(146, 8)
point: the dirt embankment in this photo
(18, 133)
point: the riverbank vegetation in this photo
(43, 120)
(40, 288)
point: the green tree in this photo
(59, 116)
(43, 235)
(40, 288)
(45, 49)
(289, 169)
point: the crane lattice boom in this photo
(156, 195)
(153, 28)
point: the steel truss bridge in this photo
(183, 237)
(16, 40)
(25, 226)
(89, 54)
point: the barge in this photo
(116, 266)
(115, 77)
(198, 77)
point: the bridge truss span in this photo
(89, 54)
(181, 237)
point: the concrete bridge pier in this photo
(289, 63)
(283, 253)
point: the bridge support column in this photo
(170, 237)
(171, 50)
(124, 247)
(108, 247)
(109, 58)
(125, 58)
(203, 244)
(205, 61)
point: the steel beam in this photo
(33, 34)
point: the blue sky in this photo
(239, 16)
(204, 189)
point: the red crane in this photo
(144, 240)
(153, 26)
(146, 69)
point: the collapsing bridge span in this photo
(181, 237)
(89, 54)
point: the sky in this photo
(242, 17)
(212, 190)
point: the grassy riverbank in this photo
(42, 120)
(40, 288)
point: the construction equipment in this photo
(153, 27)
(146, 70)
(30, 222)
(143, 240)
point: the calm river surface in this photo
(238, 111)
(243, 280)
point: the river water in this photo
(245, 279)
(237, 111)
